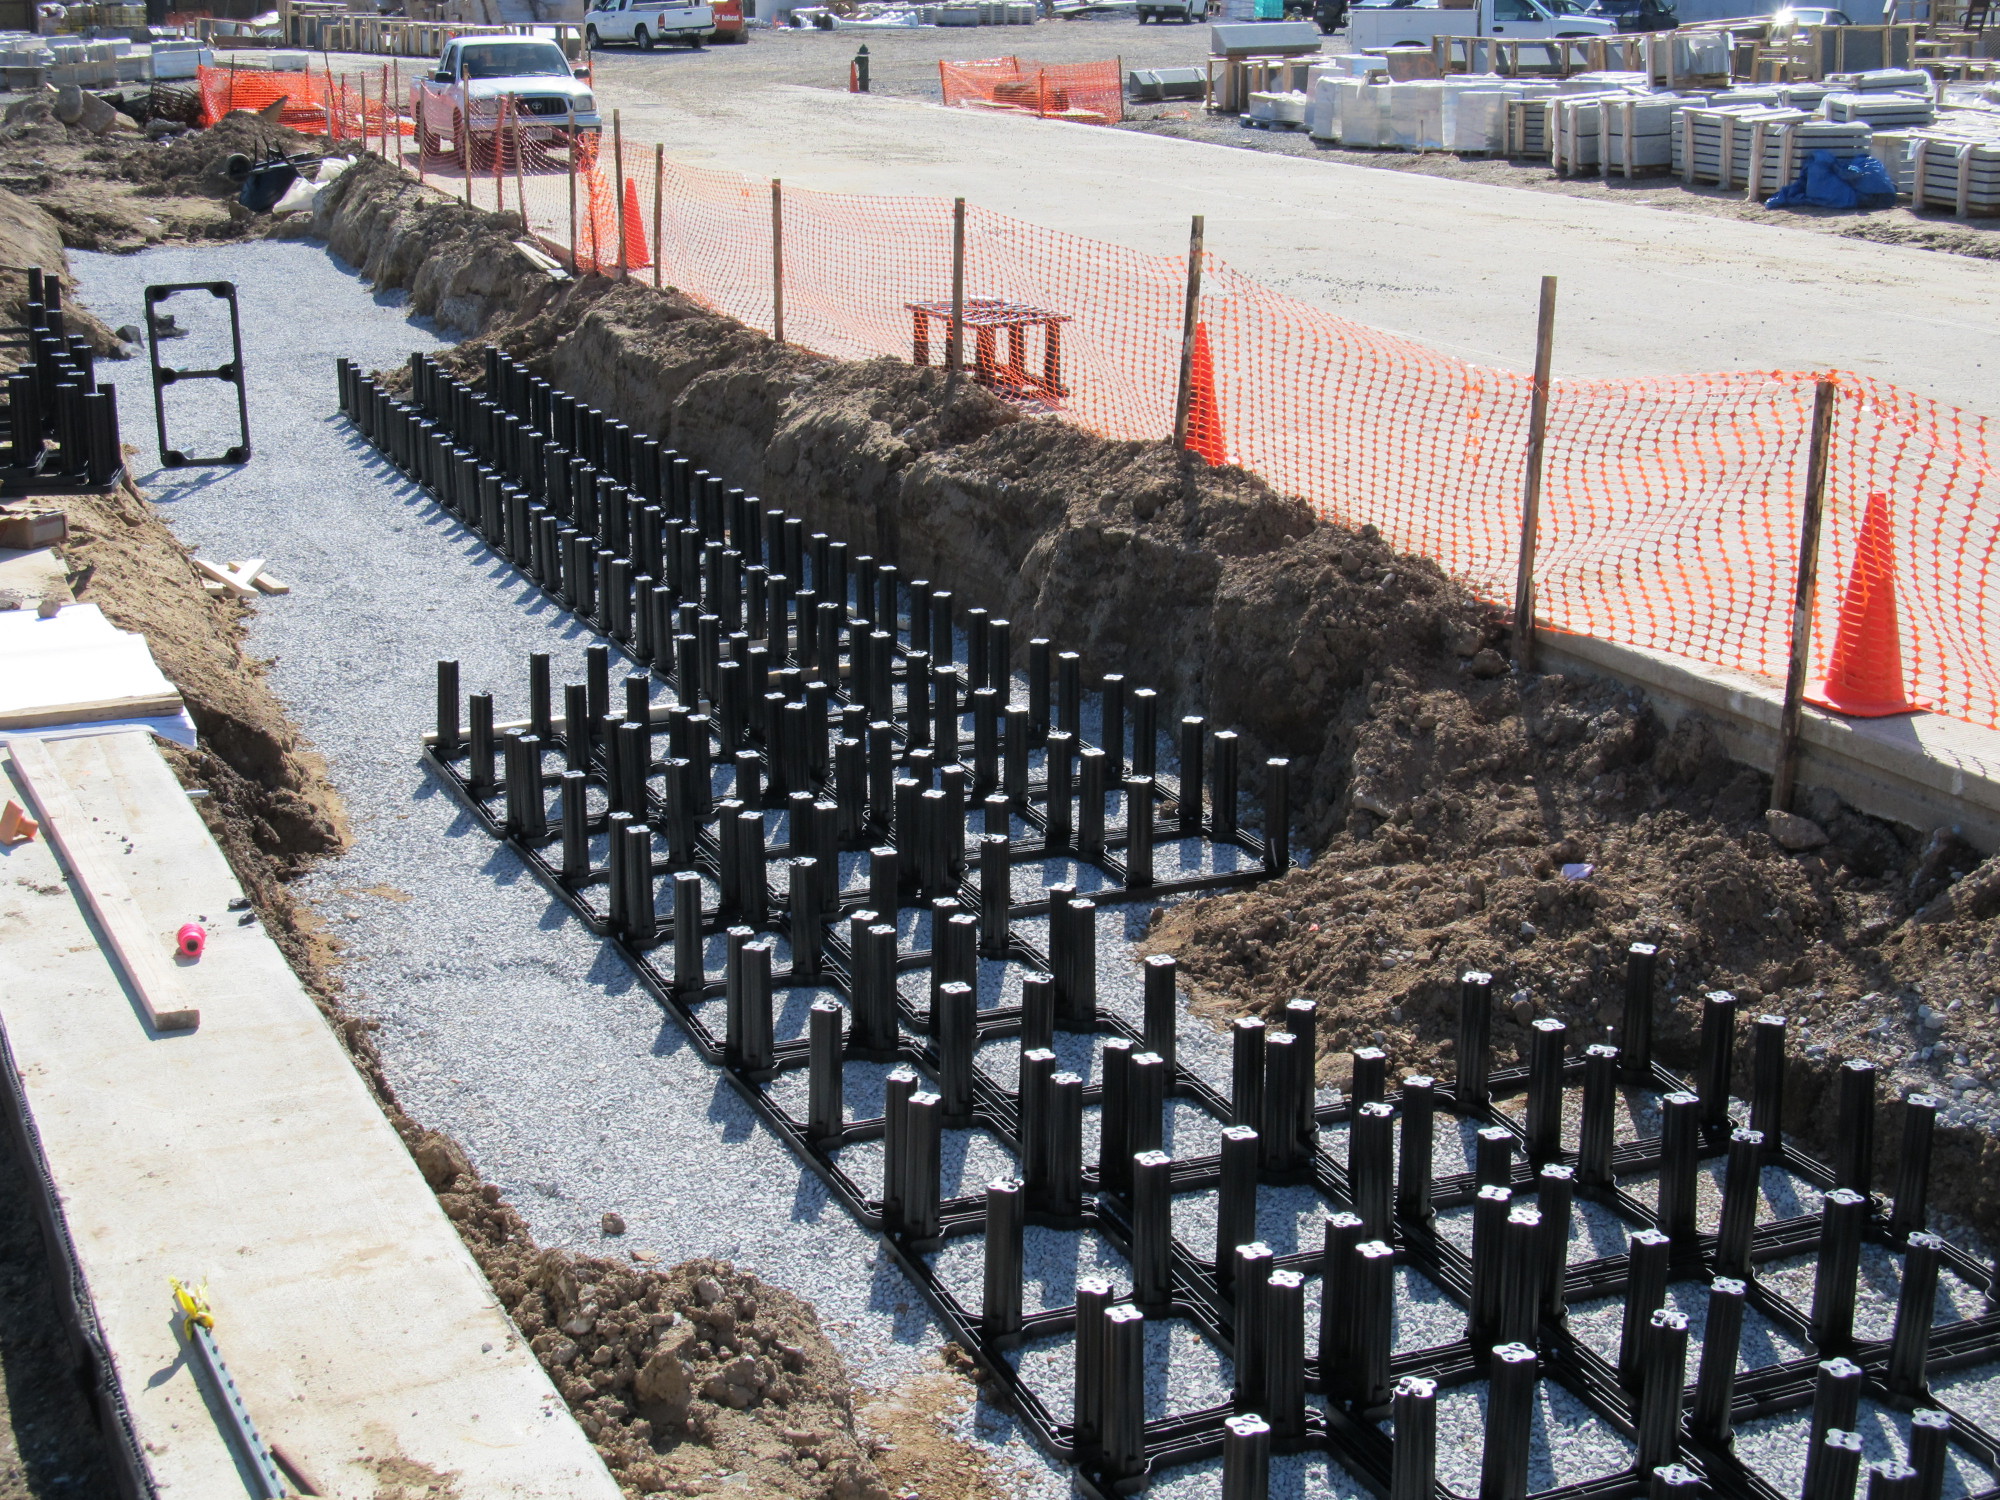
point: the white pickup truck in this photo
(1373, 27)
(465, 99)
(647, 22)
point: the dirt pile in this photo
(1465, 816)
(459, 263)
(122, 191)
(674, 1375)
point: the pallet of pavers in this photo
(1880, 110)
(1953, 172)
(190, 1116)
(1716, 144)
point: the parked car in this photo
(465, 97)
(1172, 10)
(1792, 17)
(1371, 28)
(647, 23)
(1636, 15)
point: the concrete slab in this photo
(1455, 264)
(1923, 770)
(249, 1155)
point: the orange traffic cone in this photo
(1204, 414)
(1865, 677)
(635, 230)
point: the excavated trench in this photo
(1444, 796)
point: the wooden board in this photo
(142, 954)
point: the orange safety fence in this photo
(346, 107)
(1671, 505)
(1090, 93)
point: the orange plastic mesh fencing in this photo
(345, 107)
(1090, 93)
(1671, 505)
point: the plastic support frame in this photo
(166, 375)
(1348, 1431)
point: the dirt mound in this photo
(194, 164)
(459, 263)
(671, 1373)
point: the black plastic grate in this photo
(857, 777)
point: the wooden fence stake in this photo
(777, 260)
(1785, 778)
(618, 190)
(955, 345)
(1531, 490)
(1190, 316)
(659, 200)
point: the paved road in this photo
(1454, 263)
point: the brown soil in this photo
(1443, 793)
(122, 192)
(682, 1378)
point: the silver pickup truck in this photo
(465, 98)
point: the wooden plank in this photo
(225, 577)
(97, 711)
(117, 914)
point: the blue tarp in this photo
(1829, 181)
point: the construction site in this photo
(814, 754)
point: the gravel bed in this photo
(502, 1020)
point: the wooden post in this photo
(520, 176)
(1190, 316)
(1531, 490)
(659, 201)
(777, 261)
(1786, 776)
(618, 189)
(574, 147)
(464, 118)
(955, 345)
(422, 163)
(396, 94)
(364, 111)
(500, 120)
